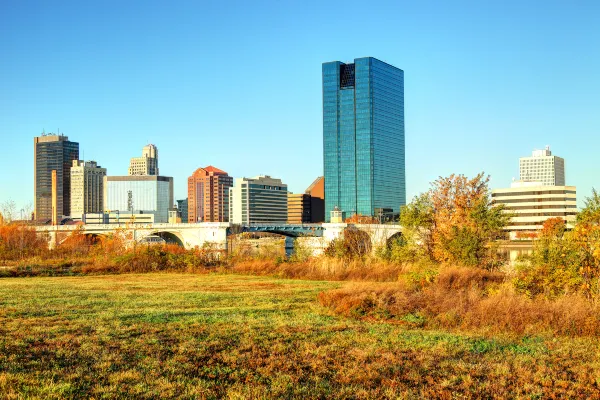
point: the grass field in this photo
(233, 336)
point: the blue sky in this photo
(238, 84)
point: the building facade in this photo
(316, 191)
(147, 164)
(542, 167)
(52, 153)
(182, 210)
(363, 136)
(532, 203)
(261, 199)
(208, 195)
(139, 195)
(87, 188)
(298, 208)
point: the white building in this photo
(139, 195)
(258, 200)
(147, 164)
(532, 203)
(543, 167)
(87, 188)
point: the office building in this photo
(139, 195)
(363, 136)
(543, 167)
(532, 203)
(258, 200)
(316, 191)
(52, 152)
(208, 195)
(87, 188)
(147, 164)
(182, 210)
(298, 208)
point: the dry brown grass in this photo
(466, 299)
(324, 268)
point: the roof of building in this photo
(207, 171)
(312, 185)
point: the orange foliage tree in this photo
(456, 221)
(18, 241)
(361, 219)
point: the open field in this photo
(234, 336)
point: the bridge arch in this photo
(170, 237)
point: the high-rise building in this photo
(363, 137)
(52, 152)
(208, 195)
(298, 208)
(139, 194)
(182, 209)
(147, 164)
(543, 167)
(87, 188)
(257, 200)
(316, 191)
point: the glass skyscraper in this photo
(363, 137)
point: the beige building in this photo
(543, 167)
(298, 208)
(147, 164)
(532, 203)
(87, 188)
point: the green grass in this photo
(232, 336)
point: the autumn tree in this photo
(456, 223)
(361, 219)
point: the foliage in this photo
(354, 243)
(18, 241)
(562, 261)
(590, 213)
(466, 299)
(456, 223)
(361, 219)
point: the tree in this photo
(456, 222)
(590, 213)
(361, 219)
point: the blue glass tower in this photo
(363, 137)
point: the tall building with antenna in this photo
(543, 167)
(52, 152)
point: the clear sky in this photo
(238, 84)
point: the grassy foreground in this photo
(233, 336)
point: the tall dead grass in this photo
(466, 299)
(324, 268)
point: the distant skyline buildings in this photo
(52, 152)
(363, 137)
(147, 164)
(258, 199)
(542, 167)
(87, 188)
(208, 195)
(139, 194)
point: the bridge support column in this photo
(52, 240)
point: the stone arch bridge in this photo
(215, 234)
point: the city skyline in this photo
(478, 96)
